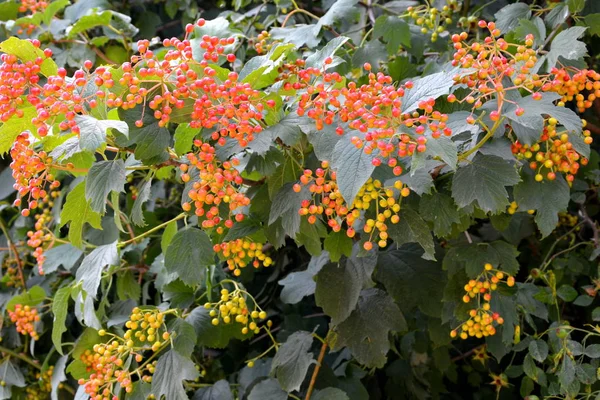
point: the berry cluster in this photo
(567, 220)
(241, 252)
(570, 83)
(12, 276)
(554, 153)
(378, 204)
(262, 43)
(107, 362)
(374, 109)
(217, 183)
(432, 19)
(233, 307)
(43, 387)
(24, 318)
(481, 321)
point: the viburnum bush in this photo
(334, 200)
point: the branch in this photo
(313, 378)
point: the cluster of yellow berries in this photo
(513, 207)
(262, 44)
(372, 197)
(568, 220)
(41, 390)
(232, 307)
(482, 319)
(432, 19)
(11, 277)
(24, 318)
(146, 327)
(241, 252)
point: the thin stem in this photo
(156, 228)
(313, 378)
(488, 136)
(301, 11)
(20, 357)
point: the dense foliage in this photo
(332, 200)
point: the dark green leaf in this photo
(297, 285)
(219, 391)
(366, 331)
(11, 374)
(353, 167)
(592, 351)
(566, 45)
(508, 17)
(340, 10)
(285, 206)
(104, 177)
(394, 31)
(338, 244)
(267, 389)
(483, 182)
(567, 293)
(412, 229)
(171, 370)
(428, 87)
(213, 336)
(330, 393)
(538, 349)
(189, 252)
(440, 210)
(292, 361)
(137, 213)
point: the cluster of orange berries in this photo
(375, 109)
(217, 183)
(107, 361)
(24, 318)
(372, 198)
(481, 321)
(30, 172)
(16, 77)
(233, 307)
(241, 252)
(32, 6)
(41, 390)
(432, 19)
(553, 154)
(570, 83)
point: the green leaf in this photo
(88, 22)
(184, 138)
(592, 351)
(11, 374)
(58, 376)
(317, 59)
(472, 257)
(60, 306)
(185, 336)
(440, 210)
(178, 294)
(338, 244)
(557, 15)
(78, 211)
(261, 71)
(508, 17)
(534, 27)
(9, 11)
(151, 140)
(592, 21)
(548, 198)
(566, 45)
(66, 255)
(330, 393)
(210, 335)
(340, 10)
(81, 8)
(171, 370)
(25, 51)
(267, 389)
(298, 285)
(365, 332)
(53, 8)
(566, 293)
(411, 280)
(292, 361)
(353, 167)
(483, 182)
(394, 31)
(285, 205)
(94, 131)
(372, 52)
(412, 229)
(14, 127)
(538, 349)
(34, 296)
(219, 391)
(401, 68)
(425, 88)
(566, 374)
(299, 35)
(287, 129)
(167, 236)
(575, 6)
(188, 255)
(104, 177)
(339, 284)
(137, 213)
(90, 270)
